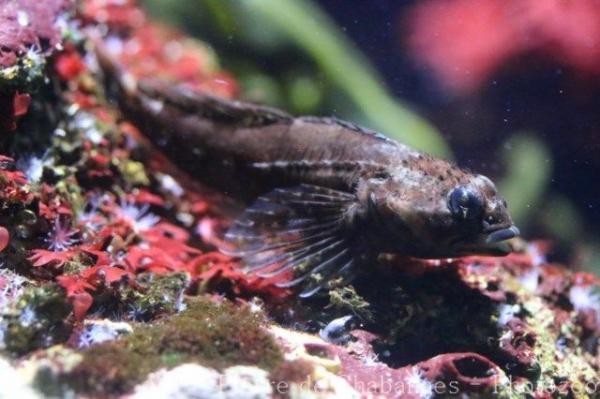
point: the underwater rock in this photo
(18, 386)
(195, 381)
(462, 372)
(185, 381)
(110, 285)
(38, 319)
(98, 331)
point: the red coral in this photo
(15, 176)
(118, 235)
(106, 274)
(163, 250)
(4, 238)
(170, 239)
(140, 259)
(214, 267)
(74, 284)
(77, 292)
(12, 105)
(57, 259)
(118, 14)
(52, 204)
(81, 304)
(12, 183)
(21, 103)
(79, 287)
(69, 65)
(151, 50)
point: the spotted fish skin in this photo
(323, 196)
(236, 146)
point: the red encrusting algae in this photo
(129, 229)
(102, 220)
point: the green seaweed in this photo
(37, 320)
(529, 165)
(317, 35)
(346, 299)
(271, 24)
(213, 334)
(155, 294)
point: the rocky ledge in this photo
(110, 285)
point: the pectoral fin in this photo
(295, 231)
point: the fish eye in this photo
(464, 204)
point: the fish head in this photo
(431, 217)
(480, 221)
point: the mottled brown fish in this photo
(323, 195)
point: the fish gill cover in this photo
(110, 283)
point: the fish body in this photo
(323, 195)
(245, 149)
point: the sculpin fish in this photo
(323, 195)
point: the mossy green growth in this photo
(559, 362)
(154, 295)
(47, 369)
(212, 334)
(559, 354)
(346, 299)
(37, 320)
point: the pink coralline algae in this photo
(124, 232)
(151, 50)
(97, 228)
(465, 41)
(29, 32)
(26, 25)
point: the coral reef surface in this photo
(110, 285)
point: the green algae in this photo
(48, 368)
(134, 172)
(561, 367)
(154, 294)
(212, 334)
(37, 320)
(558, 365)
(347, 299)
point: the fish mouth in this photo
(493, 243)
(502, 235)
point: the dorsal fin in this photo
(213, 107)
(346, 125)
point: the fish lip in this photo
(494, 242)
(502, 234)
